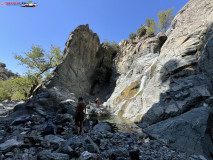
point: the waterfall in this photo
(118, 108)
(146, 77)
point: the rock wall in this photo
(82, 55)
(179, 82)
(132, 63)
(163, 87)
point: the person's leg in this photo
(76, 128)
(76, 124)
(81, 126)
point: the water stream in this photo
(118, 124)
(146, 77)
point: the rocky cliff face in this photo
(134, 66)
(164, 82)
(170, 88)
(82, 55)
(4, 73)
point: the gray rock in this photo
(64, 118)
(20, 120)
(91, 146)
(10, 144)
(184, 131)
(68, 106)
(5, 74)
(142, 135)
(54, 139)
(9, 154)
(47, 155)
(87, 155)
(76, 71)
(3, 112)
(102, 127)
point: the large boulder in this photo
(82, 55)
(186, 132)
(102, 127)
(10, 144)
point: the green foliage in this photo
(111, 44)
(3, 94)
(56, 55)
(151, 24)
(39, 64)
(141, 31)
(165, 18)
(2, 65)
(15, 89)
(132, 36)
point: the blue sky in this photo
(52, 21)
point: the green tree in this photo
(39, 63)
(4, 94)
(165, 18)
(111, 44)
(151, 24)
(15, 88)
(132, 36)
(141, 31)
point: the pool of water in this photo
(118, 124)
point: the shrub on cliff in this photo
(151, 24)
(111, 44)
(2, 65)
(165, 18)
(132, 36)
(141, 31)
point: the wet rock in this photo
(96, 111)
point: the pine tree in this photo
(165, 18)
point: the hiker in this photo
(97, 101)
(79, 114)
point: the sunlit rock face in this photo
(134, 64)
(159, 85)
